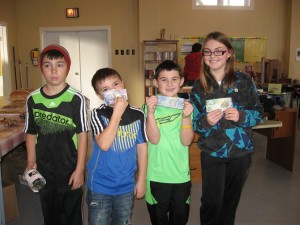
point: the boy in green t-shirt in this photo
(170, 133)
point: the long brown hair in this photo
(229, 77)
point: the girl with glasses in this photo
(226, 107)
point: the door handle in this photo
(76, 73)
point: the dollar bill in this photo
(109, 96)
(218, 103)
(170, 102)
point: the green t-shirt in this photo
(168, 161)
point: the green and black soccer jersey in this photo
(56, 120)
(168, 161)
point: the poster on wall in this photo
(185, 47)
(238, 45)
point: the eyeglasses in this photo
(216, 53)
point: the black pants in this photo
(61, 206)
(222, 183)
(172, 206)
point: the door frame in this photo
(6, 76)
(44, 30)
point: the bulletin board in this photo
(247, 49)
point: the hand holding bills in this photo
(170, 102)
(109, 96)
(218, 103)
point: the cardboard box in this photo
(12, 167)
(11, 208)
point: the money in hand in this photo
(218, 103)
(109, 96)
(170, 102)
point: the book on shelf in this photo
(149, 74)
(151, 90)
(148, 82)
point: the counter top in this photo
(268, 124)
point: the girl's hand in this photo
(151, 103)
(187, 109)
(232, 114)
(213, 117)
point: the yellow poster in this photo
(185, 47)
(274, 89)
(255, 49)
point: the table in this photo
(281, 140)
(10, 137)
(268, 124)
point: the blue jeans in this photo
(109, 209)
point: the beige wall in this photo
(121, 16)
(133, 21)
(294, 66)
(177, 17)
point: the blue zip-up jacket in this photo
(227, 139)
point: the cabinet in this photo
(155, 52)
(271, 70)
(288, 117)
(195, 161)
(281, 141)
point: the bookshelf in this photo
(155, 52)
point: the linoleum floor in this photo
(271, 195)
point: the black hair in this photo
(196, 47)
(52, 54)
(167, 65)
(103, 74)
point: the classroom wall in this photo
(294, 66)
(178, 18)
(121, 16)
(133, 21)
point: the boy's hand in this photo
(187, 109)
(213, 117)
(140, 189)
(31, 165)
(120, 105)
(151, 104)
(76, 179)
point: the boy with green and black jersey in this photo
(56, 139)
(170, 133)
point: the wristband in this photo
(186, 127)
